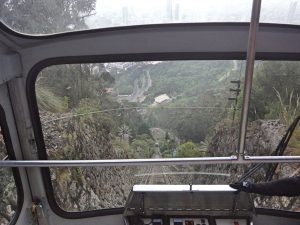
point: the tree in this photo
(124, 132)
(46, 17)
(188, 149)
(143, 146)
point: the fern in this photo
(290, 109)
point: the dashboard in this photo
(188, 205)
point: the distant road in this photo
(139, 89)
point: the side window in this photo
(8, 188)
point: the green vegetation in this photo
(101, 124)
(43, 17)
(275, 95)
(48, 101)
(8, 189)
(189, 149)
(143, 146)
(88, 95)
(275, 89)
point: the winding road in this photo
(141, 85)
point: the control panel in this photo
(188, 205)
(188, 221)
(231, 222)
(193, 221)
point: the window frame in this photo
(15, 171)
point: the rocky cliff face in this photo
(85, 188)
(262, 138)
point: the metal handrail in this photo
(156, 161)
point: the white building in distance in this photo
(161, 98)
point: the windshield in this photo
(150, 109)
(55, 16)
(155, 109)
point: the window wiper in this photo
(278, 152)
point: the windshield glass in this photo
(169, 107)
(55, 16)
(150, 109)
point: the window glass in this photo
(277, 11)
(156, 109)
(8, 190)
(136, 109)
(53, 16)
(273, 108)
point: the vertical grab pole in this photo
(249, 74)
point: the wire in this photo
(132, 108)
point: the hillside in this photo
(178, 78)
(197, 90)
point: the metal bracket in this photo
(37, 211)
(10, 67)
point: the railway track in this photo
(156, 174)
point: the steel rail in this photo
(116, 162)
(249, 74)
(150, 162)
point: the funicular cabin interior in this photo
(146, 118)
